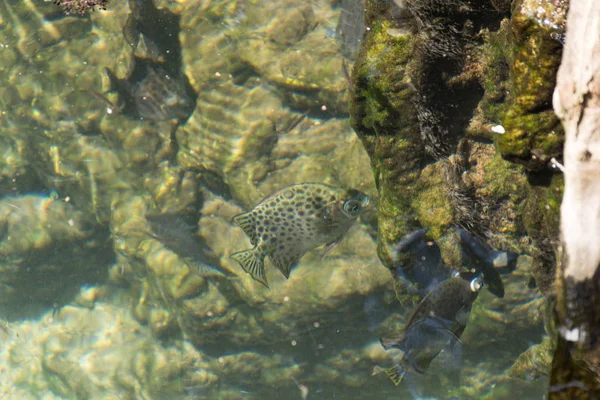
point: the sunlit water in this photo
(98, 304)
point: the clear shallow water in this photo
(99, 304)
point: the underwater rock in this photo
(293, 54)
(541, 216)
(248, 137)
(37, 234)
(94, 353)
(81, 7)
(16, 176)
(402, 91)
(535, 362)
(533, 133)
(30, 223)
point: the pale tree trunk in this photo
(576, 367)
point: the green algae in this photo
(535, 362)
(503, 179)
(384, 116)
(433, 204)
(535, 54)
(528, 134)
(494, 56)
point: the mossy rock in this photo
(433, 204)
(533, 133)
(410, 70)
(384, 116)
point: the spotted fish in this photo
(293, 221)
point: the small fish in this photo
(151, 92)
(293, 221)
(179, 237)
(490, 262)
(436, 322)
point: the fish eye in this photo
(351, 207)
(476, 284)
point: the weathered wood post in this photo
(576, 366)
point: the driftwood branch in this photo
(577, 103)
(576, 365)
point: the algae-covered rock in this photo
(384, 117)
(534, 362)
(405, 82)
(533, 133)
(433, 205)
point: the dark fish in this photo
(418, 260)
(437, 322)
(293, 221)
(180, 238)
(490, 262)
(153, 93)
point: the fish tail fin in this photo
(252, 262)
(395, 373)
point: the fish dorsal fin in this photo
(284, 264)
(247, 221)
(253, 263)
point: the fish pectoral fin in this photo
(252, 263)
(421, 362)
(130, 31)
(395, 373)
(247, 222)
(329, 247)
(284, 264)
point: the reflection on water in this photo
(118, 196)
